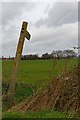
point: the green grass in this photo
(22, 92)
(32, 75)
(36, 72)
(40, 114)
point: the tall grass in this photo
(33, 75)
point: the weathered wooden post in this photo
(23, 34)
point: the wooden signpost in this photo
(23, 34)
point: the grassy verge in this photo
(22, 92)
(33, 75)
(40, 114)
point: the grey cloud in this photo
(61, 13)
(44, 39)
(62, 38)
(79, 11)
(11, 10)
(45, 43)
(8, 49)
(0, 13)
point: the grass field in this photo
(33, 75)
(37, 72)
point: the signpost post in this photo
(23, 34)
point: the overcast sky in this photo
(52, 25)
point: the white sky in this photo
(52, 25)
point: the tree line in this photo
(54, 54)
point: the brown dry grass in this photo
(62, 94)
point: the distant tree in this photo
(46, 56)
(69, 53)
(2, 57)
(9, 58)
(30, 57)
(63, 54)
(54, 54)
(57, 54)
